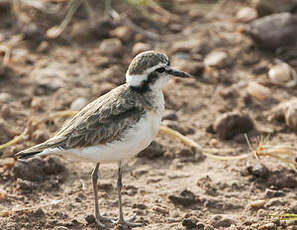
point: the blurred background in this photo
(58, 55)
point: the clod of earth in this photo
(285, 111)
(36, 169)
(185, 198)
(230, 124)
(154, 150)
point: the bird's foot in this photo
(100, 219)
(128, 222)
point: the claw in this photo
(128, 222)
(100, 224)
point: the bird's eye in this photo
(160, 70)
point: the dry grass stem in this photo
(261, 148)
(56, 31)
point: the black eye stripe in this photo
(160, 70)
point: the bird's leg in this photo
(98, 217)
(121, 216)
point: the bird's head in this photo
(151, 70)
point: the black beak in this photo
(177, 73)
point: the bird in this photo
(117, 125)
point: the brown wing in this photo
(103, 120)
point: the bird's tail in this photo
(50, 146)
(30, 152)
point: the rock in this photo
(33, 33)
(189, 223)
(141, 47)
(257, 204)
(25, 185)
(4, 132)
(283, 74)
(170, 115)
(78, 103)
(286, 111)
(51, 77)
(7, 162)
(3, 69)
(265, 7)
(31, 170)
(224, 222)
(6, 98)
(90, 219)
(186, 152)
(246, 14)
(230, 124)
(216, 59)
(101, 27)
(111, 47)
(37, 104)
(258, 170)
(53, 165)
(269, 226)
(154, 150)
(80, 31)
(43, 47)
(124, 33)
(185, 46)
(272, 193)
(186, 198)
(258, 92)
(40, 135)
(274, 31)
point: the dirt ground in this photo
(169, 185)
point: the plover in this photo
(117, 125)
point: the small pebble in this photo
(224, 222)
(189, 223)
(269, 226)
(185, 198)
(258, 92)
(257, 204)
(111, 47)
(90, 219)
(283, 74)
(78, 104)
(7, 162)
(5, 98)
(246, 14)
(124, 33)
(216, 59)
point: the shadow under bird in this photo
(117, 125)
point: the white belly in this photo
(135, 140)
